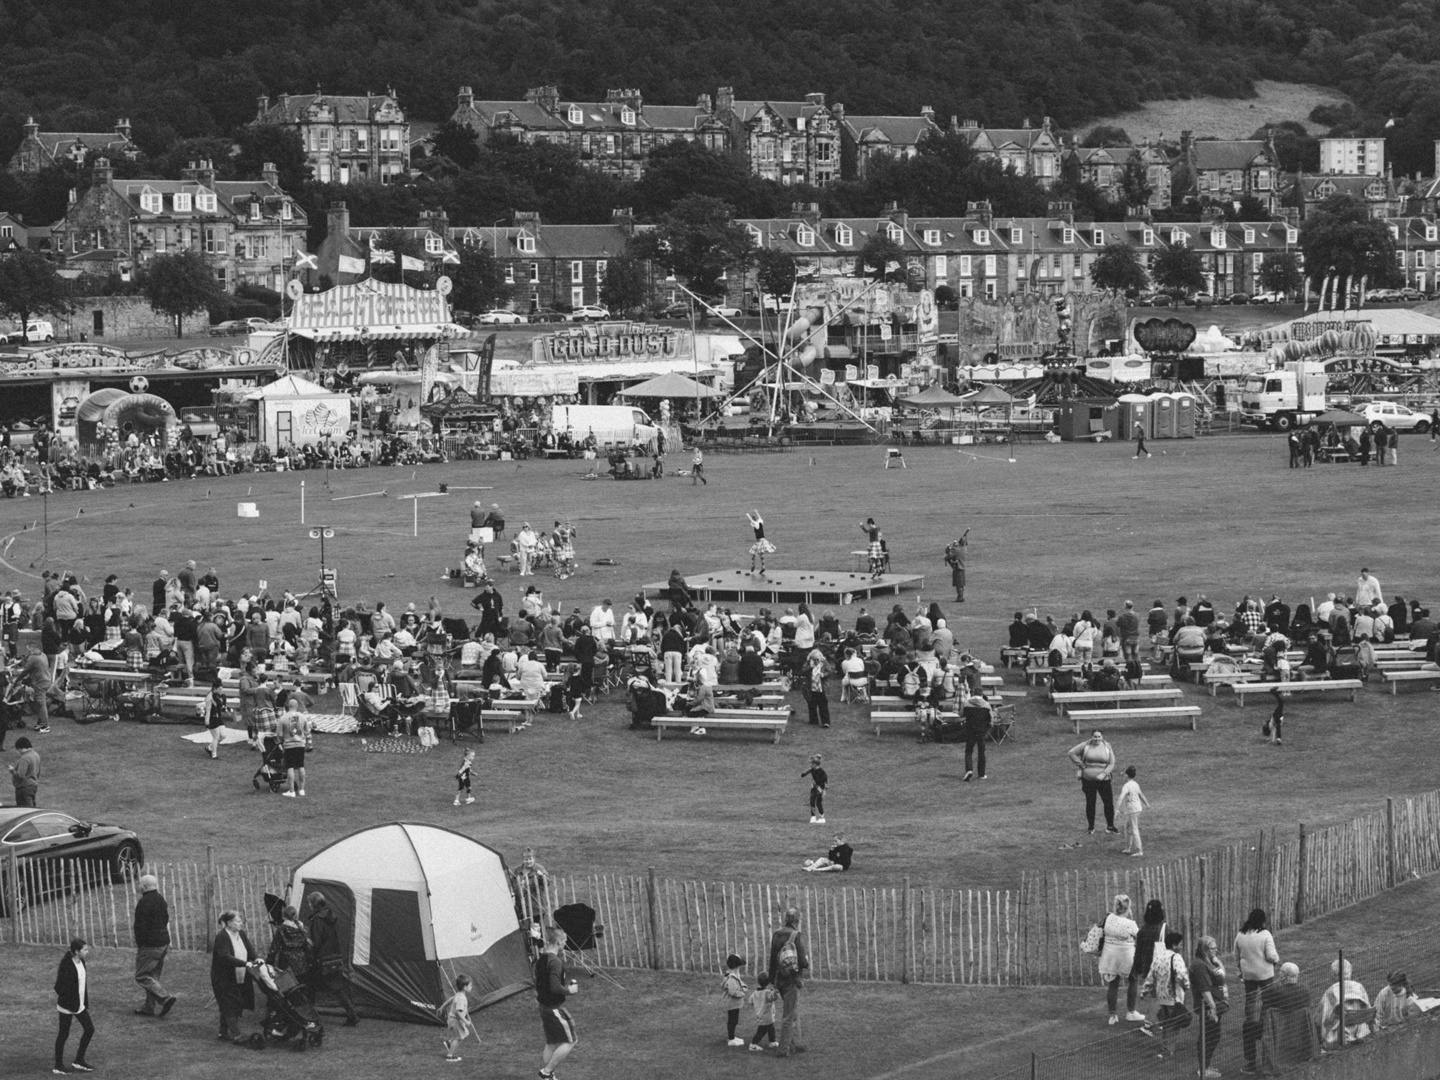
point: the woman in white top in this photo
(1257, 958)
(804, 630)
(1118, 955)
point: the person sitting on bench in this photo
(1189, 642)
(836, 859)
(1106, 677)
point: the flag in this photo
(451, 256)
(305, 261)
(407, 263)
(380, 255)
(1307, 295)
(351, 265)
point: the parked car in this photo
(1394, 415)
(1381, 296)
(229, 328)
(543, 315)
(1235, 298)
(1411, 295)
(499, 317)
(676, 310)
(1201, 299)
(728, 311)
(589, 313)
(39, 836)
(1268, 298)
(1156, 299)
(39, 330)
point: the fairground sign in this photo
(612, 341)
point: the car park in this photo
(589, 313)
(38, 837)
(499, 317)
(1394, 415)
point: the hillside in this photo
(1226, 118)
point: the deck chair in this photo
(855, 689)
(1003, 720)
(349, 699)
(466, 719)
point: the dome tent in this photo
(417, 905)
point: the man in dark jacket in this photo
(491, 607)
(330, 971)
(152, 942)
(787, 980)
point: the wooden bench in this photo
(116, 675)
(1430, 673)
(1228, 677)
(1142, 712)
(881, 718)
(743, 712)
(1064, 698)
(1014, 655)
(1032, 675)
(1297, 686)
(1417, 662)
(773, 723)
(733, 696)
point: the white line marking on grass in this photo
(935, 1059)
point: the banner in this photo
(408, 263)
(351, 265)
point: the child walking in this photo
(1277, 718)
(1132, 801)
(462, 778)
(732, 992)
(456, 1013)
(818, 780)
(762, 1000)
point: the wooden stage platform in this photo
(790, 586)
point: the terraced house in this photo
(347, 138)
(248, 230)
(43, 149)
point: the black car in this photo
(48, 836)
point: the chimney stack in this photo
(270, 174)
(101, 172)
(465, 99)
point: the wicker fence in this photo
(974, 937)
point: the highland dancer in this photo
(761, 547)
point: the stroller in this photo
(289, 1015)
(271, 772)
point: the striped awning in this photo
(383, 333)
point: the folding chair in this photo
(582, 933)
(349, 699)
(1003, 719)
(467, 719)
(856, 690)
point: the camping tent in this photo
(418, 905)
(297, 410)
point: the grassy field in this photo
(1225, 118)
(1061, 528)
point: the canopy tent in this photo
(1341, 418)
(933, 397)
(987, 396)
(669, 385)
(417, 905)
(298, 411)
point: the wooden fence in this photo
(900, 933)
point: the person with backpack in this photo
(1169, 981)
(789, 964)
(732, 996)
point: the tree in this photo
(262, 144)
(627, 284)
(1280, 273)
(29, 286)
(881, 259)
(179, 285)
(1341, 238)
(775, 272)
(479, 280)
(699, 241)
(1135, 186)
(1106, 135)
(683, 168)
(456, 143)
(1177, 270)
(1117, 267)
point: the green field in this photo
(1225, 118)
(1061, 528)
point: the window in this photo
(765, 150)
(1067, 235)
(932, 237)
(601, 267)
(1098, 237)
(214, 241)
(982, 237)
(824, 152)
(181, 202)
(152, 202)
(942, 268)
(577, 272)
(7, 231)
(525, 243)
(1147, 238)
(362, 139)
(964, 288)
(1292, 235)
(260, 246)
(434, 245)
(1395, 232)
(1017, 236)
(509, 273)
(1262, 180)
(1400, 258)
(894, 233)
(1249, 235)
(609, 144)
(805, 236)
(756, 236)
(1420, 258)
(575, 115)
(534, 271)
(1178, 237)
(990, 266)
(1257, 260)
(967, 266)
(1431, 233)
(989, 290)
(220, 277)
(205, 202)
(844, 235)
(322, 139)
(254, 211)
(577, 298)
(627, 116)
(1217, 238)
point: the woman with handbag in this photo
(1169, 981)
(1207, 983)
(1117, 955)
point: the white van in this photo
(609, 423)
(38, 330)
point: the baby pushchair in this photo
(271, 772)
(289, 1015)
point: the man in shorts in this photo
(552, 987)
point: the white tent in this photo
(292, 409)
(418, 905)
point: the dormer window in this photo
(1431, 233)
(932, 237)
(1017, 235)
(182, 202)
(844, 236)
(205, 202)
(255, 211)
(525, 243)
(1292, 235)
(1217, 238)
(152, 202)
(1147, 237)
(982, 237)
(1394, 232)
(1249, 235)
(1067, 235)
(1098, 237)
(285, 211)
(805, 236)
(575, 115)
(434, 245)
(756, 236)
(894, 233)
(627, 116)
(1177, 237)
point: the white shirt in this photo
(602, 623)
(79, 986)
(1367, 591)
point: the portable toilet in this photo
(1079, 420)
(1162, 415)
(1136, 409)
(1185, 409)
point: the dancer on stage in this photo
(761, 547)
(877, 549)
